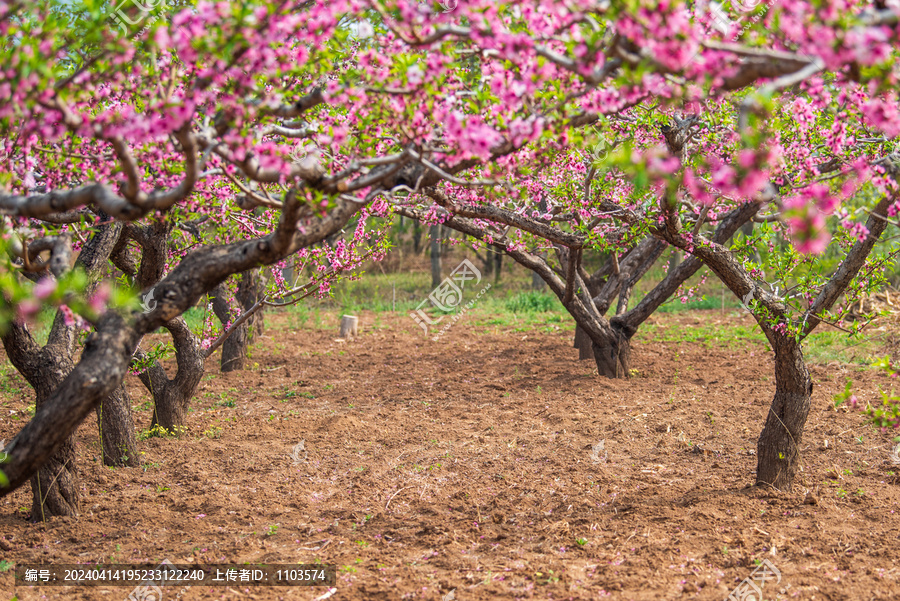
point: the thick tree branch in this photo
(677, 276)
(552, 234)
(850, 266)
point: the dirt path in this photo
(472, 465)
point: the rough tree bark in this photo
(173, 396)
(118, 444)
(170, 397)
(778, 455)
(55, 485)
(250, 291)
(583, 344)
(117, 440)
(227, 310)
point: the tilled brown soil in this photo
(472, 466)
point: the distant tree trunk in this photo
(498, 267)
(228, 308)
(417, 237)
(288, 273)
(488, 262)
(609, 345)
(248, 294)
(613, 355)
(583, 344)
(779, 444)
(537, 282)
(119, 446)
(435, 233)
(169, 409)
(674, 259)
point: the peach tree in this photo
(699, 123)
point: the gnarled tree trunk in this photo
(54, 489)
(171, 398)
(610, 345)
(613, 357)
(55, 485)
(778, 449)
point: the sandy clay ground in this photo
(470, 469)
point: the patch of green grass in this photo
(11, 383)
(706, 333)
(826, 346)
(225, 398)
(195, 317)
(511, 304)
(532, 302)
